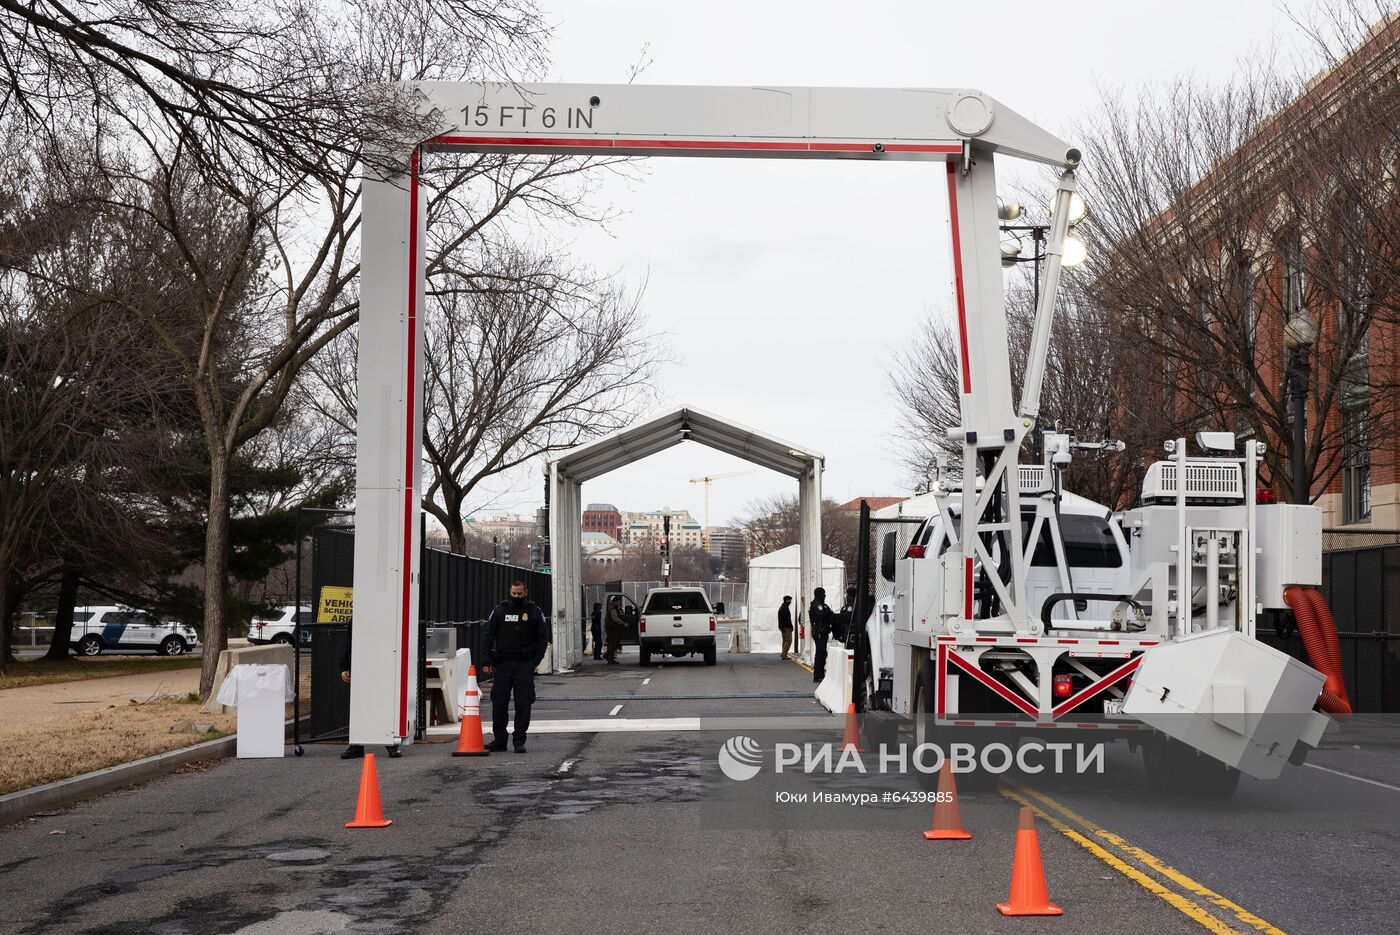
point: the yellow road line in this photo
(1189, 907)
(1156, 864)
(800, 663)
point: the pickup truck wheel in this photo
(644, 656)
(90, 645)
(710, 654)
(172, 646)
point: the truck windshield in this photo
(677, 602)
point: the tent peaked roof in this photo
(636, 442)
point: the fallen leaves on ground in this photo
(67, 745)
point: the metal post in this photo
(296, 647)
(859, 612)
(1299, 372)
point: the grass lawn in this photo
(41, 672)
(63, 746)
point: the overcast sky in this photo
(783, 285)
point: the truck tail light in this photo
(642, 625)
(1064, 686)
(915, 551)
(712, 624)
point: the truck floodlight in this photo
(1010, 249)
(1077, 208)
(1075, 251)
(1009, 211)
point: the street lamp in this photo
(1074, 251)
(1298, 336)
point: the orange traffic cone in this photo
(947, 818)
(1028, 896)
(367, 810)
(851, 738)
(469, 740)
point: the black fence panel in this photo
(330, 695)
(454, 588)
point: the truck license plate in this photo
(677, 641)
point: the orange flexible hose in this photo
(1319, 633)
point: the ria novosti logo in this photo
(740, 758)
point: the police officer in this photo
(614, 626)
(822, 618)
(597, 621)
(517, 638)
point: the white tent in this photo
(775, 574)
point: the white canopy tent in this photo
(778, 573)
(568, 472)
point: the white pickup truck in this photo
(677, 622)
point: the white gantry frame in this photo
(568, 472)
(960, 127)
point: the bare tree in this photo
(1229, 211)
(295, 87)
(234, 200)
(773, 523)
(1078, 394)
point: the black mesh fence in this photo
(456, 595)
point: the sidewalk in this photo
(40, 702)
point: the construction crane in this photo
(705, 534)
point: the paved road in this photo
(637, 831)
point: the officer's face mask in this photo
(517, 602)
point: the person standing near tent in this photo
(517, 637)
(614, 627)
(822, 618)
(596, 618)
(785, 624)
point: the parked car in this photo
(101, 628)
(277, 628)
(677, 622)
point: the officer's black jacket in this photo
(535, 638)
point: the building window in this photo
(1356, 467)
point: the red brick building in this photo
(1298, 225)
(604, 518)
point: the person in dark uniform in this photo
(614, 626)
(356, 750)
(517, 637)
(785, 624)
(822, 618)
(597, 620)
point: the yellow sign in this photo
(336, 605)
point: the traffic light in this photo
(535, 556)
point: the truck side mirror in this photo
(888, 544)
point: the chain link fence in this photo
(1341, 540)
(733, 594)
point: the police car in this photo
(277, 627)
(96, 629)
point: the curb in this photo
(25, 802)
(17, 805)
